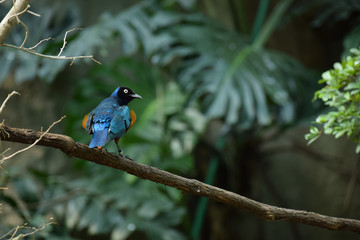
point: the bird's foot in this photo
(122, 155)
(120, 152)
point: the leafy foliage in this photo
(232, 79)
(116, 204)
(336, 15)
(342, 94)
(235, 81)
(332, 11)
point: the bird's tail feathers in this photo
(99, 139)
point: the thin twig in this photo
(42, 227)
(8, 149)
(64, 41)
(33, 230)
(40, 42)
(19, 13)
(72, 62)
(49, 56)
(6, 234)
(7, 99)
(33, 13)
(14, 233)
(30, 146)
(96, 61)
(26, 33)
(2, 1)
(9, 22)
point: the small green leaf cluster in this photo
(342, 94)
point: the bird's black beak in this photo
(136, 96)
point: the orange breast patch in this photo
(132, 119)
(85, 120)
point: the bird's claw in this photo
(123, 156)
(120, 152)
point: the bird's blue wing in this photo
(101, 132)
(99, 121)
(120, 122)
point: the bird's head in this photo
(125, 95)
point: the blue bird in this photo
(111, 119)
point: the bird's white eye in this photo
(126, 91)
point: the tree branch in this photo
(12, 18)
(30, 146)
(264, 211)
(27, 50)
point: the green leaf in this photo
(338, 66)
(122, 231)
(326, 75)
(341, 93)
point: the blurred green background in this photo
(227, 91)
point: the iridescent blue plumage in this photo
(111, 118)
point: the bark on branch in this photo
(264, 211)
(12, 18)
